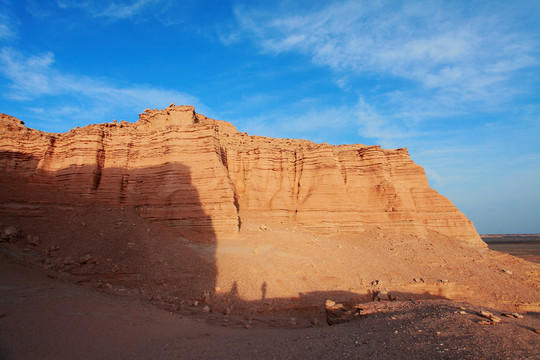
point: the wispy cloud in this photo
(442, 50)
(8, 23)
(33, 77)
(110, 9)
(386, 130)
(329, 124)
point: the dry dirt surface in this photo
(79, 280)
(46, 318)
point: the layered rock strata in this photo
(202, 175)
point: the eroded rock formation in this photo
(202, 175)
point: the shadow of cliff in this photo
(144, 232)
(140, 229)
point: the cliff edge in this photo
(203, 176)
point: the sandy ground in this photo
(81, 280)
(46, 318)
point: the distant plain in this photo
(525, 246)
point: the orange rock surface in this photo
(201, 175)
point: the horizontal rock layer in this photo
(202, 175)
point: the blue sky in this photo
(456, 82)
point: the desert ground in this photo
(62, 298)
(43, 317)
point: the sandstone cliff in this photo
(202, 175)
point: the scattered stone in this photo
(507, 272)
(537, 331)
(330, 303)
(462, 312)
(85, 259)
(488, 315)
(206, 297)
(10, 234)
(263, 227)
(418, 280)
(247, 326)
(485, 322)
(485, 314)
(443, 281)
(206, 309)
(340, 246)
(336, 313)
(314, 322)
(384, 296)
(33, 240)
(292, 321)
(227, 311)
(375, 282)
(366, 309)
(513, 315)
(195, 303)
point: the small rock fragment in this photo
(485, 322)
(384, 296)
(206, 309)
(336, 313)
(206, 297)
(85, 259)
(507, 272)
(33, 240)
(330, 303)
(10, 234)
(485, 314)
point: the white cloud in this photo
(8, 23)
(110, 9)
(388, 130)
(29, 76)
(439, 47)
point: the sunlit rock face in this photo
(202, 175)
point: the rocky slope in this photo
(190, 214)
(204, 177)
